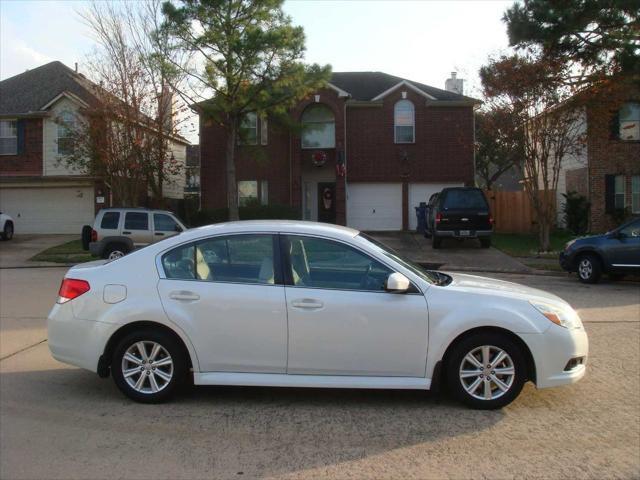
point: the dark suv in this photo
(616, 253)
(459, 212)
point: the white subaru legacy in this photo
(301, 304)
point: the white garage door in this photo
(48, 210)
(420, 192)
(374, 206)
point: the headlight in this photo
(565, 317)
(569, 243)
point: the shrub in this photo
(576, 212)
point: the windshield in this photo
(430, 276)
(465, 200)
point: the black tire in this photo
(114, 248)
(485, 242)
(436, 242)
(589, 268)
(469, 344)
(178, 372)
(86, 237)
(7, 232)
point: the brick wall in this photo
(29, 162)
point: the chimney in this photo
(165, 108)
(76, 67)
(454, 84)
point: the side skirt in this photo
(311, 381)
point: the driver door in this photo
(342, 321)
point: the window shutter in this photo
(614, 126)
(609, 193)
(264, 131)
(20, 136)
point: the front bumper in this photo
(566, 263)
(553, 350)
(456, 233)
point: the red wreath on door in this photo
(319, 158)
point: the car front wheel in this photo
(589, 269)
(486, 371)
(148, 366)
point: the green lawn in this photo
(518, 245)
(70, 252)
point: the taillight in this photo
(94, 235)
(491, 220)
(72, 288)
(438, 217)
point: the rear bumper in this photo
(456, 233)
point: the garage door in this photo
(420, 192)
(374, 206)
(48, 210)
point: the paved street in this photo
(57, 421)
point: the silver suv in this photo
(118, 231)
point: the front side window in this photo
(404, 122)
(619, 192)
(136, 221)
(629, 118)
(635, 194)
(320, 263)
(318, 127)
(66, 125)
(164, 223)
(8, 137)
(235, 259)
(631, 230)
(110, 220)
(249, 129)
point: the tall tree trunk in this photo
(232, 188)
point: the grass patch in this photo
(520, 245)
(70, 252)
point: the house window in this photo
(8, 137)
(629, 118)
(404, 122)
(264, 131)
(249, 129)
(619, 192)
(635, 194)
(66, 125)
(318, 127)
(253, 192)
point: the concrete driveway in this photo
(453, 255)
(16, 252)
(58, 421)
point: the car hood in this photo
(490, 286)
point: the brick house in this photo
(372, 147)
(36, 188)
(608, 170)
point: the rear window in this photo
(136, 221)
(110, 220)
(465, 199)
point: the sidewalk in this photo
(453, 255)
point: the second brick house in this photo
(372, 147)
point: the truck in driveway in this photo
(118, 231)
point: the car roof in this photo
(134, 209)
(284, 226)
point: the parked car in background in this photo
(118, 231)
(461, 213)
(6, 226)
(304, 304)
(615, 253)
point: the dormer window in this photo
(404, 122)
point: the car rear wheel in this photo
(7, 232)
(486, 371)
(115, 251)
(148, 366)
(589, 269)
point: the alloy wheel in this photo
(487, 372)
(147, 367)
(585, 269)
(115, 255)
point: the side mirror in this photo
(397, 283)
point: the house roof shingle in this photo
(33, 89)
(365, 86)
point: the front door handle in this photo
(126, 233)
(307, 303)
(159, 234)
(184, 296)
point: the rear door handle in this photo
(184, 296)
(307, 303)
(126, 233)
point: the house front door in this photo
(327, 202)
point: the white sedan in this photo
(301, 304)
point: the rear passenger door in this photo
(164, 226)
(137, 228)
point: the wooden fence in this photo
(512, 211)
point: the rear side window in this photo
(465, 199)
(179, 263)
(136, 221)
(110, 220)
